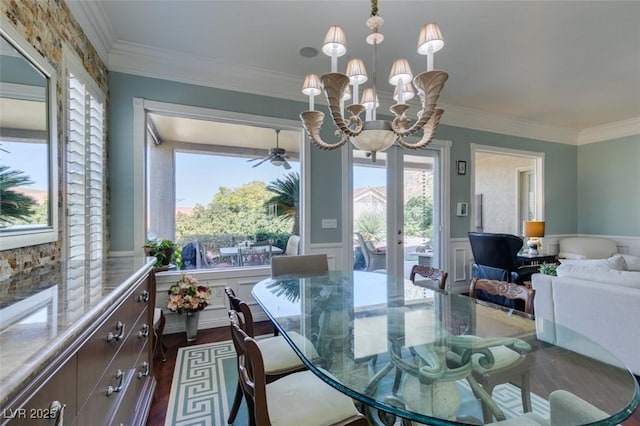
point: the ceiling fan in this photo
(276, 155)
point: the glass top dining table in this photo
(406, 353)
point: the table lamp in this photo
(534, 229)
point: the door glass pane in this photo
(369, 211)
(418, 202)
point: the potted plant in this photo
(188, 297)
(548, 269)
(163, 249)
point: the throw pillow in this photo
(614, 262)
(633, 262)
(617, 262)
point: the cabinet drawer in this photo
(135, 404)
(141, 297)
(100, 349)
(61, 387)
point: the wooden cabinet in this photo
(106, 376)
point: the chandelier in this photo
(372, 135)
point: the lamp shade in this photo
(368, 100)
(335, 41)
(311, 85)
(430, 38)
(400, 72)
(346, 95)
(533, 228)
(356, 71)
(407, 91)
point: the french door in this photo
(396, 208)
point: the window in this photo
(85, 184)
(212, 195)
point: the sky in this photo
(216, 171)
(29, 158)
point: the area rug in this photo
(205, 377)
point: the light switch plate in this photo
(329, 223)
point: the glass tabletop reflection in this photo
(402, 350)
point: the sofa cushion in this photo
(589, 247)
(633, 262)
(616, 262)
(600, 275)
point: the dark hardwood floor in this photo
(164, 370)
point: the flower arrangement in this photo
(187, 296)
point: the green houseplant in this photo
(163, 249)
(548, 269)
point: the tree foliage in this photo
(418, 216)
(15, 207)
(286, 199)
(232, 212)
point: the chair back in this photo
(299, 265)
(495, 250)
(372, 258)
(293, 246)
(431, 273)
(502, 288)
(250, 369)
(241, 308)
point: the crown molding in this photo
(619, 129)
(93, 20)
(480, 120)
(143, 60)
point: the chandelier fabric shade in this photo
(372, 135)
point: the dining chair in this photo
(299, 398)
(509, 365)
(437, 278)
(302, 264)
(374, 260)
(293, 246)
(279, 357)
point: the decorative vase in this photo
(191, 325)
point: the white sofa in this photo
(587, 248)
(598, 298)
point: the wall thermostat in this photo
(462, 209)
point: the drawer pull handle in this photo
(144, 332)
(56, 410)
(145, 372)
(120, 377)
(119, 336)
(144, 297)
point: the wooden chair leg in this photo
(486, 412)
(526, 393)
(237, 400)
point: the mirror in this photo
(28, 144)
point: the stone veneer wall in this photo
(47, 25)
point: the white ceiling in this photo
(566, 71)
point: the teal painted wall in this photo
(124, 87)
(560, 176)
(561, 163)
(609, 187)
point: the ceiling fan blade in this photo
(286, 165)
(263, 160)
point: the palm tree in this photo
(14, 206)
(286, 198)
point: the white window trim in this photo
(142, 106)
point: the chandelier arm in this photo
(312, 122)
(429, 130)
(429, 85)
(335, 84)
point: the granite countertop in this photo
(43, 312)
